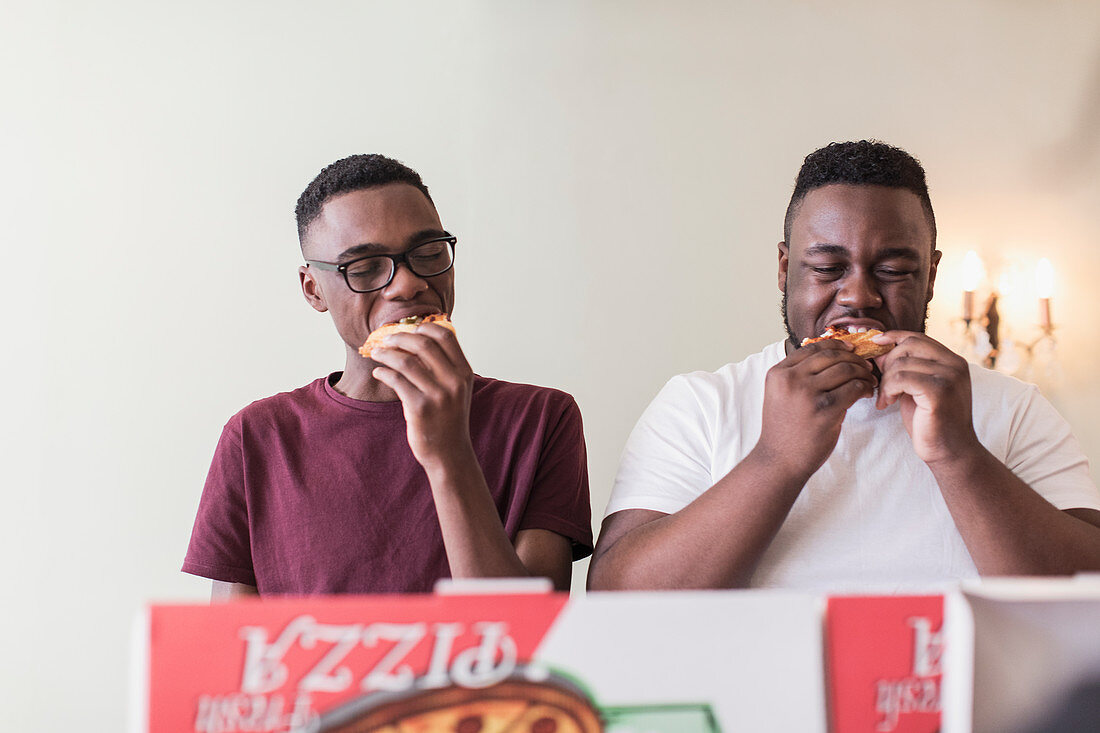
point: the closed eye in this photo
(890, 273)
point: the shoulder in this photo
(499, 393)
(523, 414)
(1013, 413)
(280, 407)
(727, 382)
(995, 391)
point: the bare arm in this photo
(1010, 529)
(1007, 526)
(223, 591)
(714, 542)
(434, 382)
(474, 538)
(717, 540)
(542, 553)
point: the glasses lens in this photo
(431, 258)
(369, 274)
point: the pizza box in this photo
(475, 662)
(884, 665)
(1023, 655)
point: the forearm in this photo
(714, 542)
(473, 535)
(1008, 528)
(222, 591)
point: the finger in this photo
(447, 341)
(841, 373)
(923, 364)
(909, 343)
(888, 393)
(936, 361)
(437, 346)
(845, 395)
(410, 367)
(809, 350)
(916, 384)
(406, 390)
(826, 358)
(427, 349)
(895, 336)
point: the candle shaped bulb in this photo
(972, 272)
(1044, 288)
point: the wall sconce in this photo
(990, 340)
(973, 272)
(1044, 288)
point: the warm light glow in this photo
(1044, 279)
(972, 271)
(1005, 285)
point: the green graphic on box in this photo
(660, 719)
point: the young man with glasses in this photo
(403, 468)
(811, 467)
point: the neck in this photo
(358, 383)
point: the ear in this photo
(311, 289)
(784, 259)
(932, 269)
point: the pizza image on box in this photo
(427, 664)
(516, 705)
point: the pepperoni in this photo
(545, 725)
(469, 724)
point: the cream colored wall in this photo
(616, 171)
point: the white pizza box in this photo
(754, 656)
(1016, 648)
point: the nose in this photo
(405, 283)
(859, 291)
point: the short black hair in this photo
(863, 163)
(353, 173)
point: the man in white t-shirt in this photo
(810, 467)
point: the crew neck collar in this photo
(378, 408)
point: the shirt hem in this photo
(649, 503)
(582, 540)
(219, 572)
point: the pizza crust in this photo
(405, 325)
(861, 340)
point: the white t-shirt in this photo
(872, 517)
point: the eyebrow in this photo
(825, 249)
(892, 253)
(370, 248)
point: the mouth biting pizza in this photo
(405, 325)
(859, 337)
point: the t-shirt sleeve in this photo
(559, 499)
(1045, 455)
(220, 547)
(666, 463)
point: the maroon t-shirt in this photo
(311, 491)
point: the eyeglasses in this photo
(374, 272)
